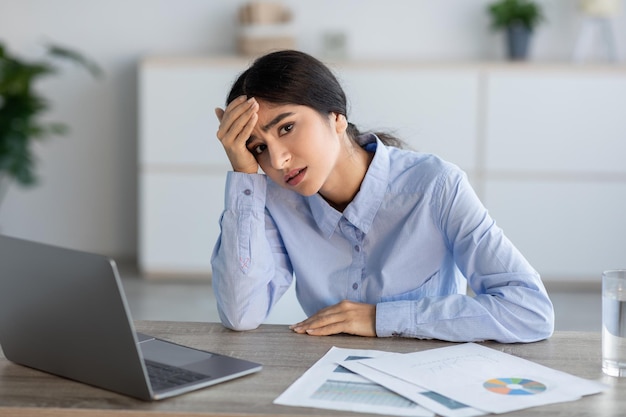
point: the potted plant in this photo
(518, 18)
(20, 109)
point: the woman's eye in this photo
(259, 149)
(286, 129)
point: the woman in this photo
(381, 241)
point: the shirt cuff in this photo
(394, 318)
(245, 191)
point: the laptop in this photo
(64, 312)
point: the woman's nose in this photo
(279, 156)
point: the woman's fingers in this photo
(344, 317)
(236, 115)
(236, 125)
(219, 113)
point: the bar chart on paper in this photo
(360, 393)
(330, 385)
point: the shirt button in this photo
(357, 248)
(247, 192)
(355, 286)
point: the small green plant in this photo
(21, 107)
(506, 13)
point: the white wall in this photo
(87, 197)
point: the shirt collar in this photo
(362, 210)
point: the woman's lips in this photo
(295, 176)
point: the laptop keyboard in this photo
(164, 376)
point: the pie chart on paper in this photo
(514, 386)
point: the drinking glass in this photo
(614, 322)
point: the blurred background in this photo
(139, 177)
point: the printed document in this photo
(483, 378)
(430, 400)
(330, 386)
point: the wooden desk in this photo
(285, 357)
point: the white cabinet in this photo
(544, 148)
(182, 165)
(555, 170)
(179, 220)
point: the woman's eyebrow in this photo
(276, 120)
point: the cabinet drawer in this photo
(177, 114)
(179, 222)
(568, 122)
(567, 230)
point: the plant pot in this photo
(518, 40)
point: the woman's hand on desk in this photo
(345, 317)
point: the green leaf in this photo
(506, 13)
(21, 108)
(76, 57)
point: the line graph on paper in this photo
(361, 393)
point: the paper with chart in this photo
(437, 403)
(484, 378)
(331, 386)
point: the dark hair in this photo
(293, 77)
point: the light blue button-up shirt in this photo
(410, 242)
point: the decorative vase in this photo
(518, 39)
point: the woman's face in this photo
(296, 146)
